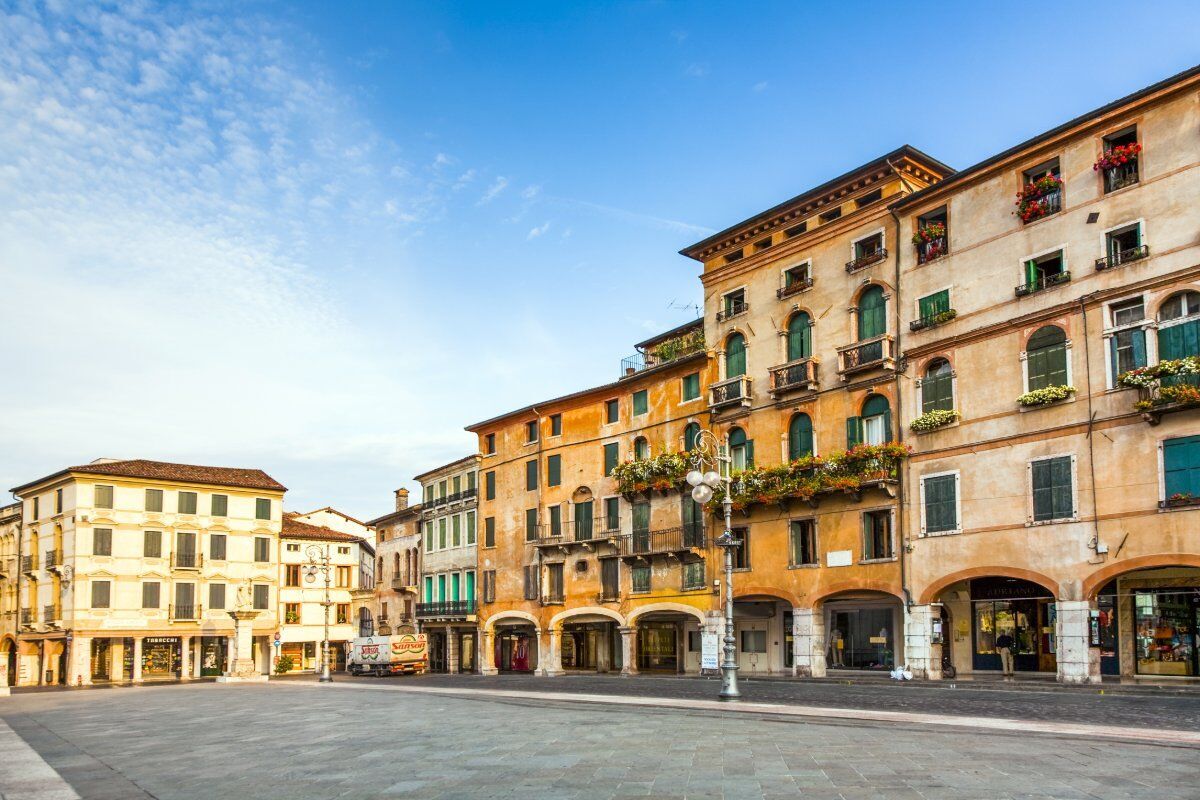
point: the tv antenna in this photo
(677, 306)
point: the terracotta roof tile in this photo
(295, 529)
(184, 473)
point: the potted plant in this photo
(1031, 200)
(934, 419)
(1046, 396)
(1117, 156)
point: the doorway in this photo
(515, 651)
(862, 638)
(1020, 610)
(101, 658)
(658, 646)
(466, 652)
(437, 651)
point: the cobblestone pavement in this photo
(304, 741)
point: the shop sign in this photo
(161, 640)
(839, 558)
(708, 650)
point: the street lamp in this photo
(709, 451)
(319, 561)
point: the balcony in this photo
(1168, 395)
(468, 494)
(866, 260)
(403, 585)
(730, 392)
(51, 614)
(931, 250)
(1044, 282)
(29, 564)
(732, 310)
(681, 542)
(186, 560)
(1119, 177)
(932, 320)
(667, 351)
(796, 287)
(28, 618)
(798, 375)
(449, 609)
(54, 560)
(876, 353)
(1119, 257)
(587, 534)
(184, 613)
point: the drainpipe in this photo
(908, 601)
(1098, 548)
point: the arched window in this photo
(1180, 335)
(395, 566)
(800, 436)
(872, 308)
(799, 337)
(641, 448)
(381, 567)
(741, 449)
(937, 387)
(1046, 358)
(1184, 304)
(735, 356)
(690, 432)
(874, 426)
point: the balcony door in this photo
(693, 522)
(641, 526)
(583, 521)
(871, 314)
(185, 549)
(185, 601)
(609, 578)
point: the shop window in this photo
(741, 450)
(1046, 358)
(1166, 632)
(741, 551)
(1181, 468)
(800, 436)
(639, 577)
(754, 641)
(877, 535)
(1127, 344)
(803, 533)
(939, 495)
(1053, 491)
(693, 576)
(937, 387)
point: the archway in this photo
(667, 638)
(863, 627)
(514, 640)
(762, 630)
(589, 638)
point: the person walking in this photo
(1004, 646)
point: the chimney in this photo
(401, 499)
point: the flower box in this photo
(1117, 156)
(932, 420)
(663, 472)
(933, 320)
(1046, 396)
(1039, 198)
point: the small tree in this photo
(283, 664)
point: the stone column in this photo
(487, 653)
(680, 647)
(808, 642)
(552, 664)
(116, 667)
(185, 657)
(242, 666)
(137, 660)
(197, 656)
(629, 650)
(921, 655)
(1078, 662)
(451, 649)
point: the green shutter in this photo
(871, 321)
(799, 337)
(854, 431)
(531, 475)
(1181, 466)
(554, 470)
(640, 402)
(800, 437)
(937, 393)
(1177, 341)
(735, 356)
(610, 457)
(1031, 273)
(583, 521)
(749, 453)
(887, 425)
(940, 504)
(934, 304)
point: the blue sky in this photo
(321, 238)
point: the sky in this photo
(321, 238)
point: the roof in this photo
(698, 322)
(12, 510)
(342, 514)
(692, 251)
(295, 529)
(391, 515)
(166, 471)
(975, 169)
(447, 467)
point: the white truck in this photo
(402, 654)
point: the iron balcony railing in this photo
(447, 608)
(53, 558)
(1119, 257)
(184, 613)
(795, 287)
(467, 494)
(730, 392)
(1121, 176)
(185, 559)
(866, 260)
(732, 310)
(798, 374)
(669, 540)
(934, 248)
(29, 563)
(27, 616)
(51, 613)
(1050, 203)
(581, 530)
(868, 354)
(931, 320)
(1044, 282)
(637, 362)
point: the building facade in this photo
(10, 540)
(448, 561)
(129, 569)
(398, 567)
(362, 596)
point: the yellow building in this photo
(10, 538)
(129, 569)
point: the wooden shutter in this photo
(1181, 466)
(735, 356)
(800, 437)
(1178, 341)
(854, 431)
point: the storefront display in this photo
(1107, 637)
(1022, 611)
(161, 657)
(861, 638)
(513, 651)
(657, 646)
(213, 650)
(1165, 631)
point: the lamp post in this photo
(319, 561)
(709, 451)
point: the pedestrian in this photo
(1004, 646)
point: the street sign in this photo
(277, 636)
(277, 643)
(708, 650)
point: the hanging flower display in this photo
(1044, 397)
(932, 420)
(1117, 156)
(1031, 200)
(929, 232)
(664, 472)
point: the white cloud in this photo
(538, 231)
(493, 191)
(530, 192)
(759, 87)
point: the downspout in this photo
(900, 367)
(1098, 548)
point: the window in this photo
(293, 548)
(531, 524)
(612, 411)
(291, 613)
(104, 497)
(877, 535)
(796, 278)
(489, 532)
(428, 536)
(428, 588)
(220, 505)
(804, 542)
(874, 426)
(873, 196)
(872, 313)
(456, 530)
(262, 508)
(799, 336)
(754, 641)
(690, 386)
(152, 544)
(154, 499)
(931, 306)
(151, 594)
(641, 402)
(735, 356)
(343, 613)
(939, 496)
(102, 541)
(216, 596)
(531, 431)
(1044, 271)
(344, 578)
(556, 424)
(1179, 329)
(531, 475)
(489, 444)
(187, 502)
(611, 455)
(932, 238)
(344, 551)
(554, 580)
(641, 448)
(291, 575)
(262, 596)
(937, 387)
(262, 549)
(734, 303)
(554, 470)
(471, 481)
(796, 230)
(442, 533)
(1046, 358)
(1127, 344)
(612, 513)
(1050, 201)
(58, 501)
(762, 244)
(639, 577)
(470, 525)
(741, 450)
(532, 582)
(101, 593)
(1120, 157)
(734, 256)
(1053, 496)
(690, 433)
(489, 485)
(36, 508)
(741, 552)
(693, 576)
(800, 436)
(489, 586)
(216, 546)
(1122, 245)
(831, 214)
(869, 248)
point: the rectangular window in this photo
(456, 530)
(443, 490)
(940, 495)
(610, 581)
(532, 582)
(151, 591)
(101, 594)
(641, 403)
(442, 533)
(554, 470)
(291, 574)
(216, 546)
(58, 501)
(1120, 159)
(102, 541)
(470, 525)
(152, 544)
(930, 306)
(691, 386)
(531, 431)
(611, 455)
(733, 304)
(216, 596)
(1181, 467)
(262, 549)
(154, 499)
(554, 577)
(428, 536)
(693, 576)
(556, 424)
(1127, 347)
(489, 486)
(531, 475)
(428, 588)
(741, 553)
(804, 542)
(489, 532)
(262, 508)
(187, 502)
(612, 411)
(639, 577)
(104, 497)
(612, 513)
(220, 505)
(754, 641)
(1122, 245)
(531, 524)
(291, 613)
(262, 596)
(489, 586)
(933, 235)
(1053, 497)
(877, 535)
(1044, 271)
(36, 508)
(343, 613)
(489, 444)
(344, 577)
(555, 520)
(471, 481)
(456, 485)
